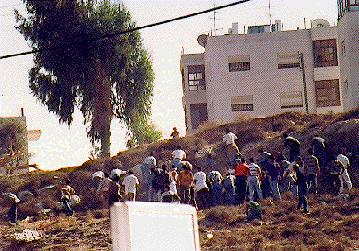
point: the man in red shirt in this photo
(242, 171)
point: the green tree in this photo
(107, 78)
(144, 132)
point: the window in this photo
(196, 78)
(343, 47)
(327, 93)
(239, 63)
(242, 103)
(325, 53)
(199, 114)
(288, 60)
(291, 100)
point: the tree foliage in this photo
(144, 132)
(111, 77)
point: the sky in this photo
(61, 145)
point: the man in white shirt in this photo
(130, 182)
(346, 163)
(178, 155)
(255, 173)
(229, 139)
(201, 189)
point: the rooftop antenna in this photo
(214, 18)
(270, 13)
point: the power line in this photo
(128, 31)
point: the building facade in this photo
(262, 73)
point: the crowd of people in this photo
(245, 178)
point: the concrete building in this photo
(14, 145)
(269, 71)
(348, 41)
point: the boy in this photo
(131, 183)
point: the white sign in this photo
(144, 226)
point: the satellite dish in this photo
(202, 40)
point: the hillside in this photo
(331, 226)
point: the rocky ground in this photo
(332, 224)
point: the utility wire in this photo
(127, 31)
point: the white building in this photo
(268, 71)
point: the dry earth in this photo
(331, 225)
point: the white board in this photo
(144, 226)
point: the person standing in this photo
(346, 164)
(302, 189)
(241, 173)
(201, 189)
(253, 180)
(263, 161)
(217, 191)
(273, 173)
(103, 190)
(14, 201)
(312, 171)
(231, 148)
(178, 155)
(335, 170)
(292, 145)
(175, 133)
(185, 181)
(66, 192)
(173, 178)
(131, 183)
(114, 191)
(229, 188)
(160, 181)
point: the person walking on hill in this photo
(291, 174)
(229, 188)
(312, 171)
(320, 149)
(131, 183)
(255, 174)
(231, 148)
(285, 183)
(241, 172)
(201, 189)
(185, 181)
(178, 155)
(274, 174)
(336, 168)
(346, 164)
(302, 189)
(292, 145)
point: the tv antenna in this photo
(214, 18)
(270, 13)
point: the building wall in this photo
(264, 80)
(348, 33)
(191, 97)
